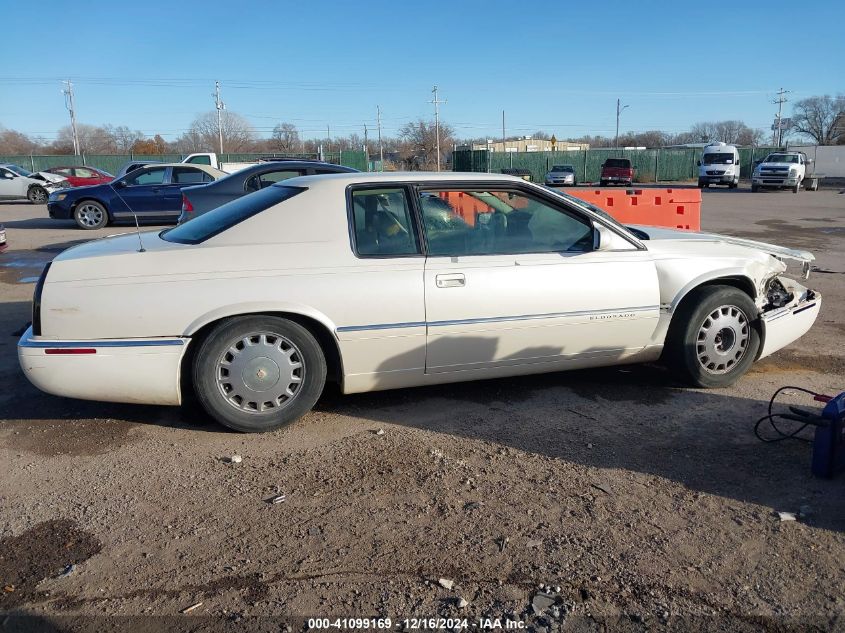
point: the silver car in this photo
(561, 175)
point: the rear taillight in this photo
(187, 207)
(36, 302)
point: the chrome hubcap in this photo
(39, 195)
(722, 339)
(260, 372)
(90, 215)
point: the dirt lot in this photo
(639, 504)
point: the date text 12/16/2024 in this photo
(414, 624)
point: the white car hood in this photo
(782, 252)
(46, 175)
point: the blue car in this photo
(152, 194)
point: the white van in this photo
(719, 165)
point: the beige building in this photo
(527, 144)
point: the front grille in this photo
(714, 172)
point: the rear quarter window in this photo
(228, 215)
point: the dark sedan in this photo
(203, 198)
(152, 193)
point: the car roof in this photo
(206, 168)
(404, 176)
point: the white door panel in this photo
(519, 309)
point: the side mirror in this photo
(597, 229)
(120, 184)
(698, 162)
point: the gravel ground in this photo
(598, 500)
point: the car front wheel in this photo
(37, 194)
(90, 215)
(258, 373)
(713, 339)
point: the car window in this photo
(326, 171)
(5, 173)
(381, 220)
(499, 222)
(259, 181)
(228, 215)
(66, 171)
(200, 160)
(623, 163)
(82, 172)
(20, 171)
(150, 176)
(189, 176)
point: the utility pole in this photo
(71, 107)
(437, 122)
(504, 149)
(619, 108)
(780, 101)
(219, 106)
(328, 138)
(366, 148)
(380, 147)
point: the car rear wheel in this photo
(259, 373)
(713, 340)
(90, 215)
(37, 194)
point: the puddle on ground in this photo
(43, 551)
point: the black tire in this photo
(276, 337)
(797, 187)
(90, 215)
(602, 183)
(700, 185)
(37, 194)
(754, 188)
(704, 355)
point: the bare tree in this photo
(820, 118)
(238, 134)
(420, 143)
(285, 138)
(730, 131)
(13, 142)
(123, 138)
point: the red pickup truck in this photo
(618, 171)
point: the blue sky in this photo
(555, 66)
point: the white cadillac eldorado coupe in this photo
(379, 281)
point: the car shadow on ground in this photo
(632, 418)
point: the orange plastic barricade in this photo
(672, 208)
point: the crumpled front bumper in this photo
(782, 326)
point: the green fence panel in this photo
(661, 165)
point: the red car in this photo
(617, 171)
(82, 176)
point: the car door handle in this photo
(454, 280)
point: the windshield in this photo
(566, 168)
(228, 215)
(20, 171)
(781, 158)
(624, 163)
(718, 159)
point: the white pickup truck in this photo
(785, 170)
(210, 158)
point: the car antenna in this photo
(141, 248)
